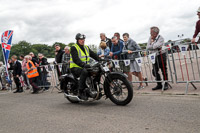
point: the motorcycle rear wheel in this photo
(64, 85)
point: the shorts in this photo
(134, 67)
(123, 67)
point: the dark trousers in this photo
(160, 63)
(17, 82)
(33, 82)
(44, 80)
(65, 69)
(83, 74)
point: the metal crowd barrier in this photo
(147, 67)
(182, 65)
(48, 77)
(186, 63)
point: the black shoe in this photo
(92, 94)
(20, 90)
(34, 92)
(158, 87)
(166, 86)
(16, 91)
(82, 95)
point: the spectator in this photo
(43, 76)
(130, 49)
(118, 36)
(155, 44)
(34, 58)
(116, 48)
(66, 55)
(24, 69)
(10, 68)
(66, 60)
(197, 31)
(17, 71)
(103, 51)
(58, 57)
(32, 74)
(106, 40)
(59, 53)
(2, 76)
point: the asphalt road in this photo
(52, 113)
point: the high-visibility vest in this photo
(33, 73)
(84, 57)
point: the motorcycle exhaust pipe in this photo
(74, 97)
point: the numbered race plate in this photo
(106, 69)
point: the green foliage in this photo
(71, 44)
(24, 48)
(93, 47)
(143, 45)
(62, 45)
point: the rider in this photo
(79, 62)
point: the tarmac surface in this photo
(52, 113)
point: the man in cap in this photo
(197, 28)
(79, 61)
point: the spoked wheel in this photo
(67, 86)
(119, 90)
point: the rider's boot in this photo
(92, 94)
(82, 94)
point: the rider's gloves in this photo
(87, 66)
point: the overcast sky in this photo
(49, 21)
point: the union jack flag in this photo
(6, 42)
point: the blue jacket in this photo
(117, 49)
(106, 51)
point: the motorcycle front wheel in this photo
(119, 90)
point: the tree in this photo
(22, 48)
(62, 45)
(93, 47)
(70, 44)
(46, 50)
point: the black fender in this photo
(65, 78)
(108, 79)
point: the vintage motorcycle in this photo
(101, 82)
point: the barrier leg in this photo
(180, 65)
(186, 68)
(193, 86)
(186, 89)
(163, 85)
(192, 64)
(197, 59)
(169, 86)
